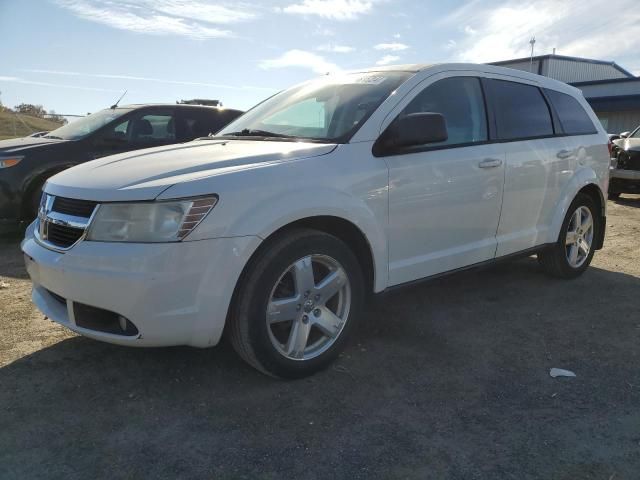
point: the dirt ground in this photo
(448, 379)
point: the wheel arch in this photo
(588, 185)
(339, 227)
(35, 180)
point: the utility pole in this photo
(532, 42)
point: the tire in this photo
(558, 260)
(614, 195)
(283, 290)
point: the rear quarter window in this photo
(521, 110)
(573, 118)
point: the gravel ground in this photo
(448, 379)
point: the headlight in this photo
(6, 162)
(161, 221)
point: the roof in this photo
(565, 57)
(174, 105)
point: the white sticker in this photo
(357, 79)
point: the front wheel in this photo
(570, 256)
(297, 304)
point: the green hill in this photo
(11, 125)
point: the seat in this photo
(141, 128)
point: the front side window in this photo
(460, 101)
(573, 118)
(636, 133)
(329, 109)
(521, 110)
(143, 129)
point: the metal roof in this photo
(569, 58)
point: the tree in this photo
(30, 109)
(53, 116)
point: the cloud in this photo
(331, 9)
(147, 79)
(161, 17)
(393, 47)
(574, 27)
(52, 85)
(396, 35)
(335, 48)
(301, 59)
(387, 60)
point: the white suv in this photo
(278, 229)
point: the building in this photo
(612, 91)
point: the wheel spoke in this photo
(587, 224)
(583, 247)
(572, 237)
(328, 323)
(282, 310)
(577, 219)
(298, 339)
(330, 285)
(303, 275)
(573, 254)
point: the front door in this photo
(150, 127)
(445, 198)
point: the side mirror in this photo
(625, 134)
(416, 129)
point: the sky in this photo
(78, 56)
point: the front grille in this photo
(62, 236)
(63, 221)
(71, 206)
(629, 160)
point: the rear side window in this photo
(521, 110)
(573, 118)
(200, 122)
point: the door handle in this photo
(490, 163)
(562, 154)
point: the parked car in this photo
(26, 163)
(278, 229)
(625, 165)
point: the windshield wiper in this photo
(255, 133)
(54, 137)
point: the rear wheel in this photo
(570, 256)
(297, 304)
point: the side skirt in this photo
(487, 263)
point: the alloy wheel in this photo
(308, 307)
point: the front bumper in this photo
(174, 293)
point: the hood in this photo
(22, 145)
(144, 174)
(628, 144)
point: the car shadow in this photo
(628, 200)
(458, 364)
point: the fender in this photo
(273, 213)
(582, 178)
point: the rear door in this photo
(536, 163)
(194, 122)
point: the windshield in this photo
(86, 125)
(329, 109)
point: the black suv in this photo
(26, 163)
